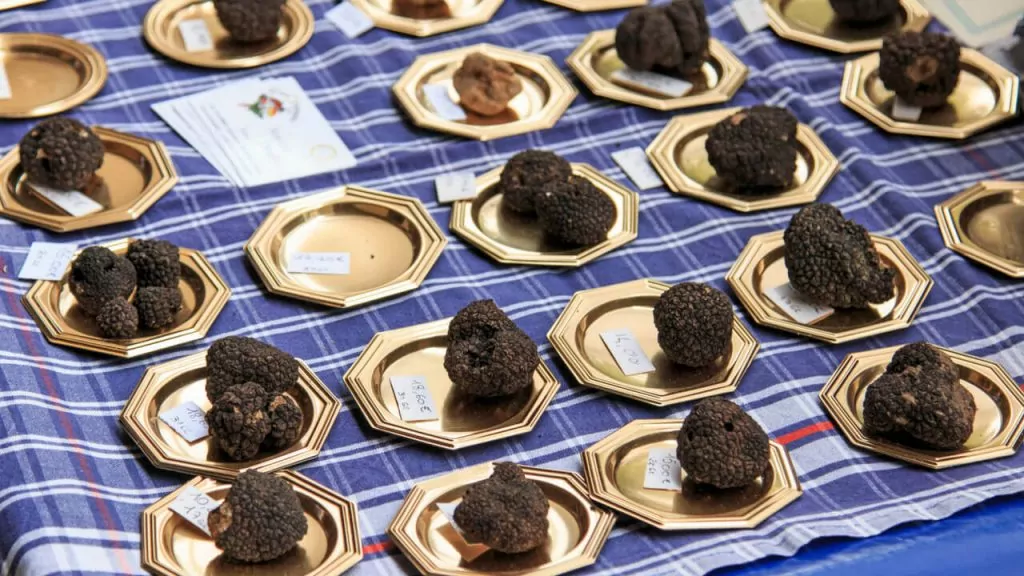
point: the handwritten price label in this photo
(653, 82)
(47, 261)
(663, 470)
(195, 35)
(455, 186)
(188, 420)
(73, 202)
(329, 263)
(194, 506)
(415, 404)
(794, 305)
(627, 352)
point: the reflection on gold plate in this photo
(814, 22)
(595, 60)
(998, 422)
(161, 31)
(679, 156)
(986, 95)
(464, 421)
(389, 15)
(545, 97)
(11, 4)
(171, 546)
(615, 469)
(986, 224)
(512, 238)
(203, 295)
(576, 336)
(577, 529)
(392, 242)
(48, 74)
(165, 386)
(597, 5)
(761, 266)
(136, 172)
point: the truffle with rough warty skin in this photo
(250, 21)
(922, 68)
(694, 323)
(238, 359)
(98, 276)
(489, 367)
(671, 39)
(157, 262)
(479, 319)
(575, 212)
(157, 306)
(527, 174)
(238, 421)
(864, 11)
(61, 153)
(118, 319)
(285, 422)
(720, 445)
(754, 150)
(508, 511)
(260, 520)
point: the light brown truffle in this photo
(486, 85)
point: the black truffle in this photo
(250, 21)
(919, 355)
(507, 511)
(832, 261)
(527, 174)
(779, 120)
(671, 39)
(922, 68)
(157, 306)
(694, 323)
(754, 151)
(156, 262)
(260, 520)
(575, 212)
(864, 11)
(490, 367)
(61, 153)
(479, 319)
(98, 276)
(118, 319)
(721, 445)
(237, 359)
(285, 422)
(238, 421)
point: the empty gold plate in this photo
(814, 22)
(986, 224)
(998, 422)
(576, 336)
(165, 386)
(986, 95)
(136, 172)
(577, 529)
(464, 421)
(161, 31)
(204, 294)
(761, 266)
(545, 97)
(512, 238)
(615, 469)
(392, 242)
(679, 156)
(596, 5)
(464, 13)
(595, 60)
(171, 546)
(48, 74)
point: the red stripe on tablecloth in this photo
(804, 432)
(371, 549)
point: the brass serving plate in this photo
(419, 351)
(48, 74)
(576, 336)
(62, 322)
(597, 5)
(464, 13)
(173, 547)
(595, 60)
(615, 468)
(545, 97)
(678, 154)
(136, 172)
(761, 266)
(160, 29)
(578, 528)
(392, 240)
(814, 22)
(986, 95)
(512, 238)
(168, 385)
(986, 224)
(998, 423)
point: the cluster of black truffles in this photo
(527, 174)
(99, 276)
(250, 21)
(754, 151)
(922, 68)
(694, 323)
(721, 446)
(508, 512)
(864, 11)
(919, 400)
(671, 39)
(488, 356)
(260, 520)
(832, 260)
(61, 153)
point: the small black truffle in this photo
(157, 306)
(285, 422)
(527, 174)
(508, 511)
(260, 520)
(118, 319)
(922, 68)
(98, 276)
(156, 262)
(694, 323)
(250, 21)
(575, 212)
(721, 445)
(864, 11)
(61, 153)
(479, 319)
(238, 359)
(754, 151)
(921, 354)
(671, 39)
(490, 367)
(238, 421)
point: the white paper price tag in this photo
(188, 420)
(455, 186)
(73, 202)
(349, 19)
(627, 352)
(437, 95)
(195, 35)
(751, 14)
(415, 404)
(194, 506)
(47, 261)
(652, 81)
(663, 470)
(5, 83)
(328, 263)
(795, 306)
(635, 164)
(905, 112)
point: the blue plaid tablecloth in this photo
(72, 483)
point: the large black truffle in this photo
(118, 319)
(671, 39)
(157, 306)
(575, 212)
(156, 262)
(237, 359)
(61, 153)
(250, 21)
(238, 421)
(260, 520)
(508, 511)
(490, 367)
(922, 68)
(864, 11)
(98, 276)
(694, 323)
(285, 422)
(479, 319)
(721, 445)
(527, 174)
(832, 260)
(754, 151)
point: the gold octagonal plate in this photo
(986, 224)
(464, 13)
(516, 239)
(576, 336)
(615, 469)
(392, 241)
(168, 385)
(171, 546)
(136, 172)
(577, 528)
(679, 156)
(595, 60)
(545, 97)
(62, 322)
(463, 421)
(813, 22)
(761, 266)
(998, 423)
(48, 74)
